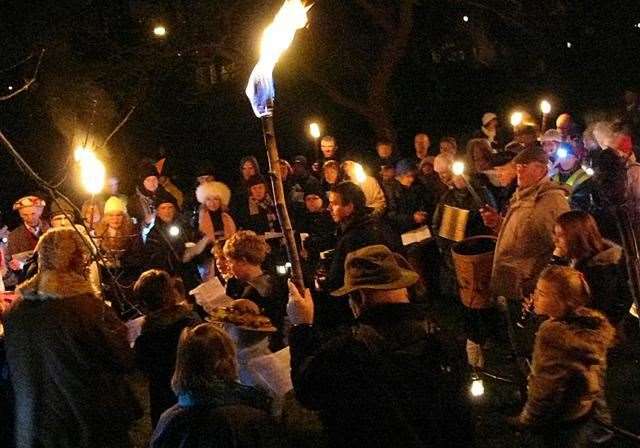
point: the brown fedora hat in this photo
(375, 267)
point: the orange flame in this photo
(276, 38)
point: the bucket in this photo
(473, 260)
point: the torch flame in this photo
(276, 38)
(92, 170)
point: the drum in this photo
(473, 260)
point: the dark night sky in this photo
(218, 125)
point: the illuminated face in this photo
(330, 175)
(239, 268)
(151, 183)
(384, 151)
(248, 170)
(493, 124)
(530, 173)
(421, 144)
(328, 148)
(427, 169)
(549, 147)
(560, 241)
(31, 215)
(388, 173)
(258, 192)
(569, 162)
(166, 212)
(60, 221)
(212, 203)
(480, 160)
(113, 184)
(506, 174)
(313, 202)
(339, 211)
(407, 179)
(447, 148)
(546, 300)
(115, 220)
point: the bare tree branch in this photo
(28, 83)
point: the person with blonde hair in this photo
(213, 409)
(214, 220)
(566, 383)
(245, 252)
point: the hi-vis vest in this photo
(574, 180)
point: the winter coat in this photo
(385, 382)
(525, 242)
(321, 230)
(433, 189)
(568, 368)
(207, 227)
(20, 240)
(606, 275)
(155, 350)
(228, 416)
(402, 203)
(67, 353)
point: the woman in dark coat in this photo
(157, 344)
(579, 244)
(213, 410)
(67, 353)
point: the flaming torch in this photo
(276, 38)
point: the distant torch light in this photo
(516, 118)
(465, 18)
(10, 88)
(477, 388)
(457, 168)
(92, 173)
(587, 169)
(314, 130)
(569, 45)
(160, 31)
(174, 231)
(545, 106)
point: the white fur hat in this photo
(213, 189)
(487, 117)
(114, 205)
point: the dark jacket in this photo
(607, 277)
(164, 251)
(383, 383)
(155, 351)
(270, 293)
(67, 354)
(433, 189)
(321, 230)
(402, 203)
(230, 416)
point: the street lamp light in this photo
(160, 31)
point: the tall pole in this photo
(278, 191)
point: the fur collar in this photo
(55, 285)
(611, 255)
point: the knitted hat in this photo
(405, 166)
(255, 180)
(115, 205)
(300, 160)
(147, 169)
(314, 188)
(164, 197)
(487, 117)
(213, 189)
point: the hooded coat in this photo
(568, 369)
(525, 242)
(65, 348)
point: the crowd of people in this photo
(94, 292)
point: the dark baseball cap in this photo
(534, 154)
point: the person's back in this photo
(382, 384)
(65, 350)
